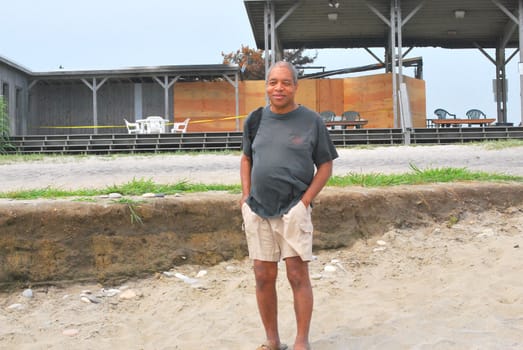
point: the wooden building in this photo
(85, 102)
(97, 101)
(210, 104)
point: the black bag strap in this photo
(254, 123)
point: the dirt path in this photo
(101, 171)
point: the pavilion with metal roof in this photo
(395, 25)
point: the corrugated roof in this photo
(141, 74)
(14, 65)
(433, 24)
(185, 72)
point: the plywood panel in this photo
(204, 124)
(418, 105)
(306, 94)
(203, 99)
(253, 95)
(330, 95)
(371, 96)
(211, 105)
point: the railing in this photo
(223, 141)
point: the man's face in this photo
(281, 90)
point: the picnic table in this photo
(347, 123)
(459, 122)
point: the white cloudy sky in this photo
(95, 34)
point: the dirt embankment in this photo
(47, 241)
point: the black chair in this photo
(475, 114)
(351, 116)
(327, 116)
(443, 114)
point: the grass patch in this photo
(131, 205)
(48, 192)
(137, 187)
(418, 176)
(453, 220)
(502, 144)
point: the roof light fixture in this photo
(332, 16)
(459, 14)
(334, 4)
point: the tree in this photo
(296, 57)
(5, 146)
(252, 63)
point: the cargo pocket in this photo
(299, 230)
(299, 216)
(250, 220)
(251, 223)
(306, 221)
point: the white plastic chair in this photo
(181, 127)
(155, 124)
(132, 128)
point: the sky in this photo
(95, 34)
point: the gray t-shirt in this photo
(285, 151)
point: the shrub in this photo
(5, 132)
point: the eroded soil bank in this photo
(49, 241)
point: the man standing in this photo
(279, 182)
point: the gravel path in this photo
(100, 171)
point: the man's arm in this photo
(245, 177)
(321, 177)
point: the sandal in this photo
(266, 346)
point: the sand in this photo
(437, 287)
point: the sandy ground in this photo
(437, 287)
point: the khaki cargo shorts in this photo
(279, 238)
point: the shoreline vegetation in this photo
(138, 187)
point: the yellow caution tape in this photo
(83, 127)
(201, 121)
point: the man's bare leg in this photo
(265, 273)
(298, 276)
